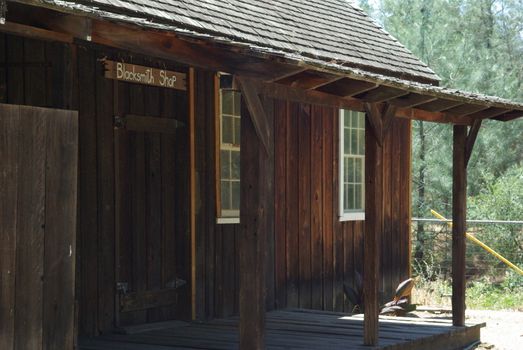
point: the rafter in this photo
(439, 105)
(465, 109)
(381, 94)
(348, 87)
(411, 100)
(287, 76)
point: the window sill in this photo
(353, 217)
(223, 221)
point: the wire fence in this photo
(432, 248)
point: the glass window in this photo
(229, 177)
(352, 165)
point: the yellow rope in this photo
(481, 244)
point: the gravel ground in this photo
(504, 330)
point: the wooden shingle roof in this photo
(330, 31)
(327, 48)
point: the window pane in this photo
(346, 141)
(227, 132)
(237, 122)
(358, 169)
(354, 119)
(345, 197)
(235, 165)
(349, 170)
(227, 102)
(237, 103)
(358, 195)
(225, 195)
(361, 120)
(235, 188)
(350, 195)
(225, 165)
(354, 141)
(346, 118)
(361, 142)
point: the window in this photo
(229, 155)
(352, 165)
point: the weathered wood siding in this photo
(36, 73)
(38, 148)
(311, 253)
(133, 212)
(153, 172)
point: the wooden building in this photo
(122, 203)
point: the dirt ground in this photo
(504, 330)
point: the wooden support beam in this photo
(373, 229)
(388, 116)
(249, 89)
(36, 33)
(147, 124)
(436, 117)
(471, 139)
(459, 216)
(191, 96)
(373, 114)
(380, 119)
(283, 92)
(256, 211)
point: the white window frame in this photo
(355, 215)
(225, 216)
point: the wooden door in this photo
(152, 264)
(39, 159)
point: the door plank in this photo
(30, 229)
(60, 229)
(9, 136)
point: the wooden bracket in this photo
(250, 93)
(380, 120)
(471, 139)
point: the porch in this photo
(294, 329)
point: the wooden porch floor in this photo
(296, 329)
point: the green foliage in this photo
(502, 200)
(480, 294)
(473, 45)
(477, 46)
(483, 294)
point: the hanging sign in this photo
(133, 73)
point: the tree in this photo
(477, 46)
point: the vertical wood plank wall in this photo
(37, 227)
(312, 253)
(48, 74)
(149, 190)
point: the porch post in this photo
(255, 210)
(373, 222)
(459, 215)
